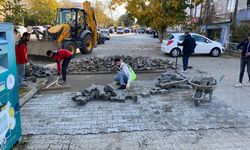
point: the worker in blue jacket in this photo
(245, 60)
(188, 48)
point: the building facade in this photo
(243, 15)
(219, 27)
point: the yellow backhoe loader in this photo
(75, 28)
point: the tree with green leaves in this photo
(126, 20)
(102, 19)
(158, 14)
(13, 11)
(43, 12)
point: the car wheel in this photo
(215, 52)
(175, 52)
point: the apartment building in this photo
(243, 14)
(219, 27)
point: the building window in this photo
(231, 5)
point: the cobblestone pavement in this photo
(55, 122)
(57, 114)
(223, 139)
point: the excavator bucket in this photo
(39, 48)
(57, 34)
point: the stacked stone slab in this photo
(107, 63)
(101, 93)
(168, 80)
(165, 82)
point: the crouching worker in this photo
(59, 55)
(125, 74)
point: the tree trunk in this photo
(234, 19)
(162, 34)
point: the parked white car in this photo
(120, 30)
(203, 45)
(21, 29)
(40, 29)
(105, 33)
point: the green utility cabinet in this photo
(10, 125)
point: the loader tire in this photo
(88, 44)
(70, 46)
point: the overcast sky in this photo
(116, 14)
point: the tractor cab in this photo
(74, 17)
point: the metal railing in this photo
(232, 46)
(222, 18)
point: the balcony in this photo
(222, 18)
(218, 18)
(243, 15)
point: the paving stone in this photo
(106, 96)
(157, 112)
(167, 108)
(163, 91)
(117, 99)
(129, 97)
(144, 94)
(154, 92)
(82, 100)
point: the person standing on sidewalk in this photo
(245, 60)
(188, 48)
(59, 55)
(22, 58)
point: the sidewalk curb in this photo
(114, 72)
(23, 100)
(28, 96)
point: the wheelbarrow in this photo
(201, 91)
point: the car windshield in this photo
(103, 31)
(66, 16)
(169, 37)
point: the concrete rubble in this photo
(33, 71)
(169, 80)
(204, 81)
(107, 63)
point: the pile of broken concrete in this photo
(169, 80)
(101, 93)
(107, 64)
(204, 81)
(33, 71)
(165, 82)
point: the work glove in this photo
(128, 87)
